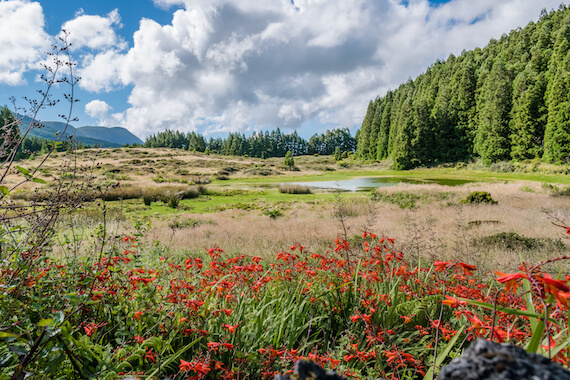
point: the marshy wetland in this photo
(192, 201)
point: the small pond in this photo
(368, 183)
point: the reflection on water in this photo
(362, 184)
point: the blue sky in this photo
(219, 66)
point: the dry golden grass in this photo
(440, 227)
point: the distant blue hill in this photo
(101, 136)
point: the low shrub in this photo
(147, 199)
(479, 197)
(273, 213)
(403, 199)
(294, 189)
(173, 201)
(550, 187)
(562, 193)
(262, 172)
(502, 167)
(514, 241)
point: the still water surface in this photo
(368, 183)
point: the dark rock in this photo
(305, 369)
(485, 360)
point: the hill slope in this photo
(507, 101)
(115, 135)
(100, 136)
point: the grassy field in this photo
(235, 202)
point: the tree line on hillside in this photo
(259, 144)
(509, 100)
(29, 145)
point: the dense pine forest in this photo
(507, 101)
(259, 144)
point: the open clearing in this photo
(242, 210)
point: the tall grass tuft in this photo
(295, 189)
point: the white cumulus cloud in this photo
(95, 32)
(22, 39)
(223, 65)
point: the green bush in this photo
(479, 197)
(514, 241)
(273, 213)
(147, 199)
(173, 201)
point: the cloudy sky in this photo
(218, 66)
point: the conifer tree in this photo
(492, 140)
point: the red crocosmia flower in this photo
(185, 366)
(228, 346)
(201, 368)
(231, 328)
(476, 324)
(90, 329)
(441, 266)
(467, 269)
(213, 346)
(453, 302)
(354, 318)
(150, 355)
(256, 259)
(139, 339)
(555, 287)
(138, 314)
(510, 280)
(218, 365)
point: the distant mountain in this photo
(115, 135)
(101, 136)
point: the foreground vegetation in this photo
(367, 311)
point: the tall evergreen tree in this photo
(492, 140)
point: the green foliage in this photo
(272, 213)
(259, 144)
(479, 197)
(10, 132)
(514, 241)
(507, 101)
(289, 161)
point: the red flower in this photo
(138, 314)
(554, 287)
(467, 269)
(453, 302)
(510, 280)
(185, 366)
(441, 266)
(150, 355)
(231, 328)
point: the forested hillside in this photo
(509, 100)
(259, 144)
